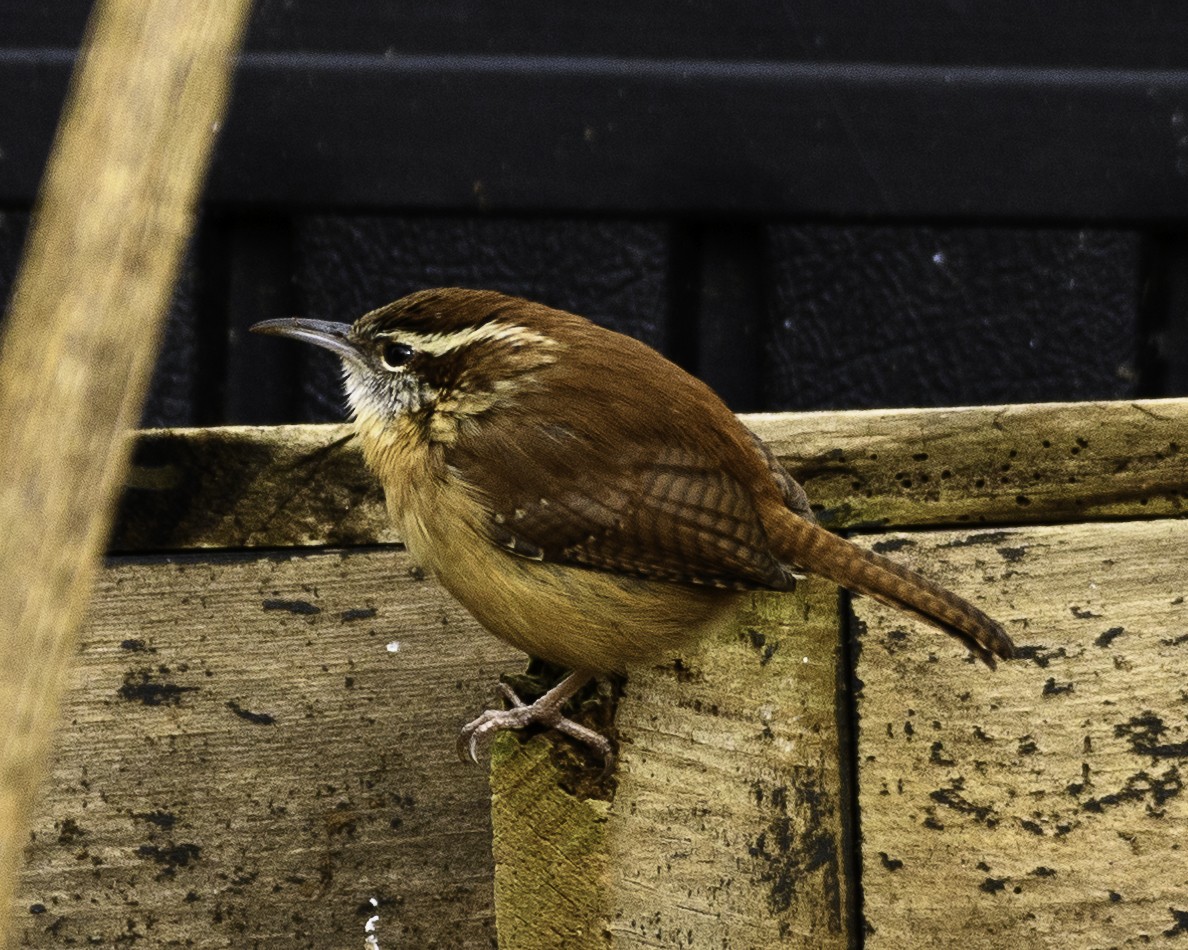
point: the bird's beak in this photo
(334, 337)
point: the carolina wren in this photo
(585, 499)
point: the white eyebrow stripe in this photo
(437, 344)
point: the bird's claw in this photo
(492, 720)
(546, 711)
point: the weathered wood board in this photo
(244, 761)
(305, 485)
(988, 464)
(249, 487)
(726, 827)
(1043, 805)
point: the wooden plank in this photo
(726, 826)
(988, 464)
(1044, 805)
(249, 487)
(295, 485)
(247, 762)
(551, 860)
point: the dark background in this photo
(812, 205)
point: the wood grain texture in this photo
(114, 212)
(246, 763)
(293, 485)
(988, 464)
(726, 826)
(552, 868)
(1044, 805)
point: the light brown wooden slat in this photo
(988, 464)
(552, 865)
(244, 763)
(726, 826)
(1043, 805)
(290, 485)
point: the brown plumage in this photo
(585, 498)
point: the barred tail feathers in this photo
(801, 543)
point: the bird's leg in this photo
(546, 711)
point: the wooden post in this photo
(728, 822)
(115, 211)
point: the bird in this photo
(584, 498)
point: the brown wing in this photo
(660, 510)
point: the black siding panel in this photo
(879, 316)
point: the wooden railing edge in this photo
(305, 485)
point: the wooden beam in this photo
(305, 485)
(988, 464)
(728, 818)
(249, 487)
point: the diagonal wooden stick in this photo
(115, 211)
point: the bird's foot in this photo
(546, 711)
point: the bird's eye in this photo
(395, 354)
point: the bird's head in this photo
(437, 358)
